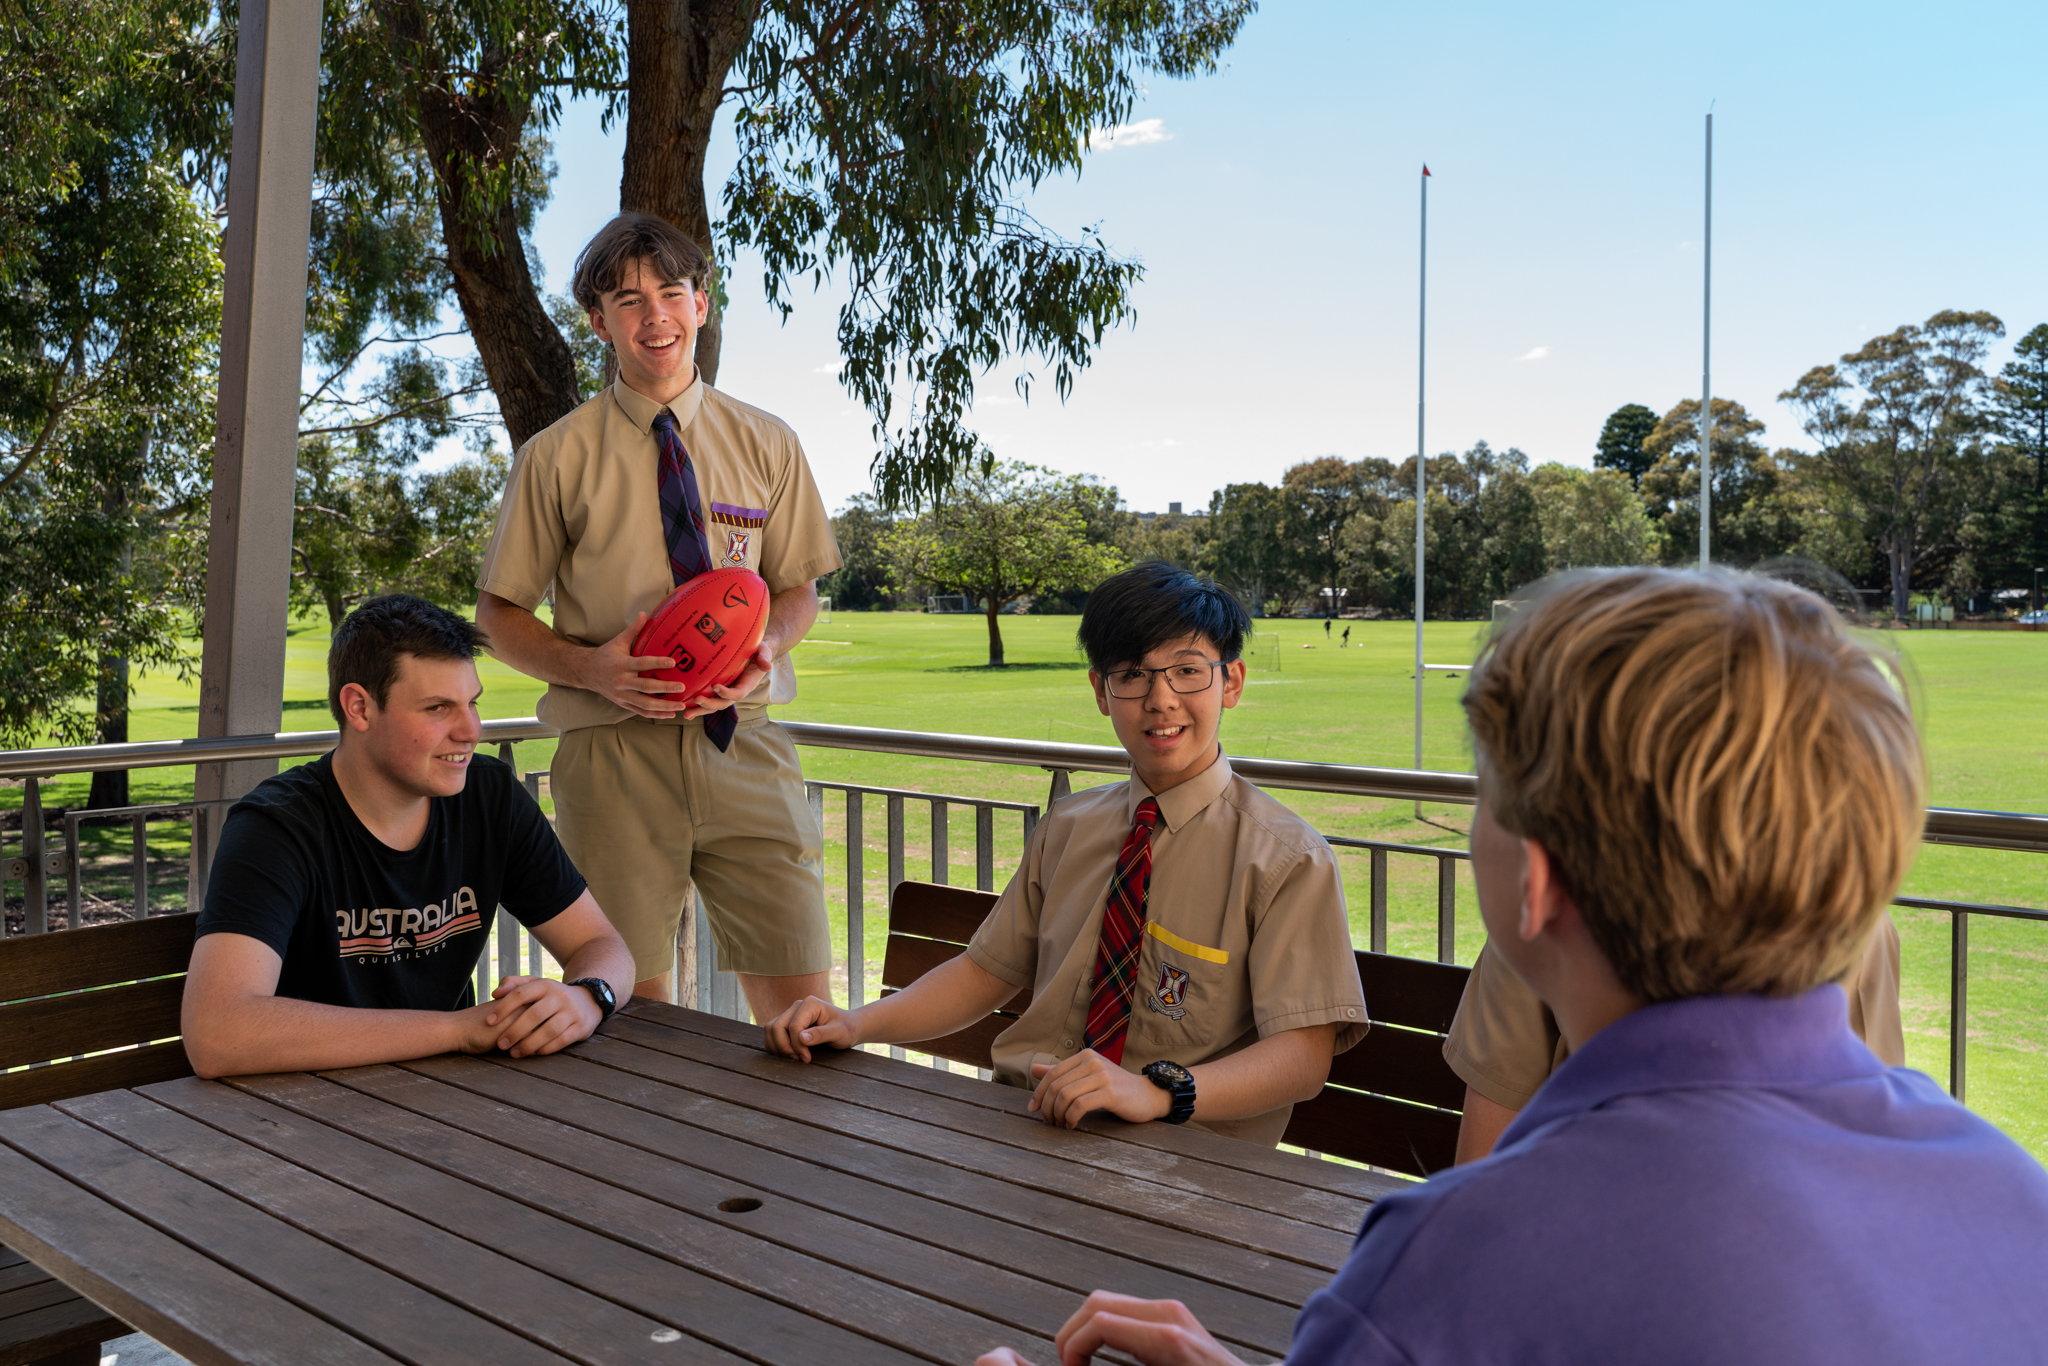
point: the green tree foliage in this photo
(1247, 551)
(109, 316)
(1005, 532)
(1621, 442)
(1590, 518)
(862, 582)
(1756, 514)
(1901, 424)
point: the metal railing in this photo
(2019, 832)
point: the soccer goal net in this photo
(1263, 651)
(824, 609)
(946, 602)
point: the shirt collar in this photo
(1705, 1041)
(641, 410)
(1179, 805)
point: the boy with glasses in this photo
(1182, 934)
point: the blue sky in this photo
(1873, 163)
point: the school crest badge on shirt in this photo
(740, 526)
(1170, 997)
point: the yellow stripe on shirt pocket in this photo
(1186, 946)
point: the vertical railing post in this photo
(940, 857)
(895, 844)
(36, 908)
(74, 900)
(1958, 1001)
(985, 847)
(508, 944)
(141, 867)
(1446, 909)
(1379, 901)
(505, 754)
(1061, 787)
(856, 917)
(1030, 823)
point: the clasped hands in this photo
(528, 1016)
(1067, 1091)
(1155, 1332)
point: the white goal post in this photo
(946, 602)
(825, 609)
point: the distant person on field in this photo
(1183, 935)
(1697, 794)
(350, 897)
(1326, 630)
(1345, 643)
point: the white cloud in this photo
(1533, 353)
(1128, 135)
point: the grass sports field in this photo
(1309, 699)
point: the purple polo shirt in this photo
(1720, 1179)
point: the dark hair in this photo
(367, 648)
(637, 237)
(1131, 614)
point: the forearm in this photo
(260, 1033)
(608, 958)
(1281, 1070)
(950, 997)
(790, 616)
(1480, 1126)
(520, 639)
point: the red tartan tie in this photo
(1123, 937)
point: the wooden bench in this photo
(1391, 1101)
(64, 994)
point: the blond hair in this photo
(1731, 785)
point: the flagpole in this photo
(1706, 357)
(1421, 508)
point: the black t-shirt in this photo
(359, 923)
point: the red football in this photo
(709, 627)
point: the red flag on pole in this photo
(1425, 168)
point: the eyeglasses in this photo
(1131, 684)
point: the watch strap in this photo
(601, 992)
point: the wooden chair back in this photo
(928, 924)
(1392, 1101)
(74, 992)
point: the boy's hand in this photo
(1070, 1091)
(718, 699)
(619, 676)
(528, 1016)
(1156, 1332)
(807, 1024)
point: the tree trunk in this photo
(527, 361)
(110, 786)
(678, 54)
(995, 635)
(1902, 585)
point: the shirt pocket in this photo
(735, 536)
(1187, 991)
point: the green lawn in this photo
(1974, 691)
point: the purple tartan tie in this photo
(1123, 938)
(682, 528)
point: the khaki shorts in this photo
(647, 808)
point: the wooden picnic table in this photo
(662, 1192)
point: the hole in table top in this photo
(740, 1204)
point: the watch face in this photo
(1170, 1072)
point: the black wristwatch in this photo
(1177, 1082)
(602, 990)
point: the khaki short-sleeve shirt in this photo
(1505, 1043)
(1246, 934)
(582, 514)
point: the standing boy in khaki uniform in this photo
(1504, 1042)
(606, 508)
(1183, 935)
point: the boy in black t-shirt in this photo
(351, 897)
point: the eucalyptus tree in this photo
(1902, 424)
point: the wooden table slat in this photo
(660, 1289)
(198, 1186)
(1026, 1276)
(192, 1304)
(718, 1243)
(999, 1116)
(791, 1089)
(899, 1173)
(1336, 1178)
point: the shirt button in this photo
(1352, 1011)
(1067, 1043)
